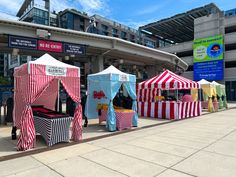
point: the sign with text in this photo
(123, 77)
(22, 42)
(55, 71)
(208, 55)
(13, 61)
(74, 49)
(50, 46)
(208, 49)
(210, 70)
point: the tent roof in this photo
(215, 83)
(203, 81)
(110, 70)
(169, 80)
(47, 59)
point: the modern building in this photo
(37, 11)
(73, 19)
(208, 27)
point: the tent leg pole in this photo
(58, 96)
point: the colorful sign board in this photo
(208, 55)
(22, 42)
(208, 49)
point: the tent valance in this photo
(167, 81)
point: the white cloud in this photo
(3, 15)
(10, 6)
(137, 24)
(94, 6)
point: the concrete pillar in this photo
(97, 63)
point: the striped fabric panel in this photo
(53, 130)
(27, 133)
(169, 110)
(77, 124)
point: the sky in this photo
(133, 13)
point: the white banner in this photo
(55, 71)
(123, 78)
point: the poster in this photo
(208, 55)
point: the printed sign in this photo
(208, 55)
(13, 61)
(123, 78)
(208, 49)
(210, 70)
(55, 71)
(22, 42)
(98, 94)
(74, 49)
(49, 46)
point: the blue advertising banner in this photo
(22, 42)
(74, 49)
(210, 70)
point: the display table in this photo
(169, 109)
(53, 130)
(123, 118)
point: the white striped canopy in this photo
(168, 81)
(36, 82)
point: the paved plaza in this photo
(204, 146)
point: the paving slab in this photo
(37, 172)
(171, 149)
(130, 166)
(65, 153)
(156, 157)
(173, 173)
(208, 164)
(78, 166)
(18, 165)
(175, 141)
(223, 147)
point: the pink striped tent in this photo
(147, 90)
(36, 83)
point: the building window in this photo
(114, 32)
(149, 43)
(123, 35)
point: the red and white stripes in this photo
(33, 85)
(168, 80)
(169, 109)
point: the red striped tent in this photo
(36, 83)
(147, 90)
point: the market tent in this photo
(106, 85)
(165, 81)
(209, 90)
(37, 82)
(220, 91)
(151, 103)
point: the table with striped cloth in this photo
(123, 118)
(53, 130)
(170, 109)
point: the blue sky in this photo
(132, 13)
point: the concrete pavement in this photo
(204, 146)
